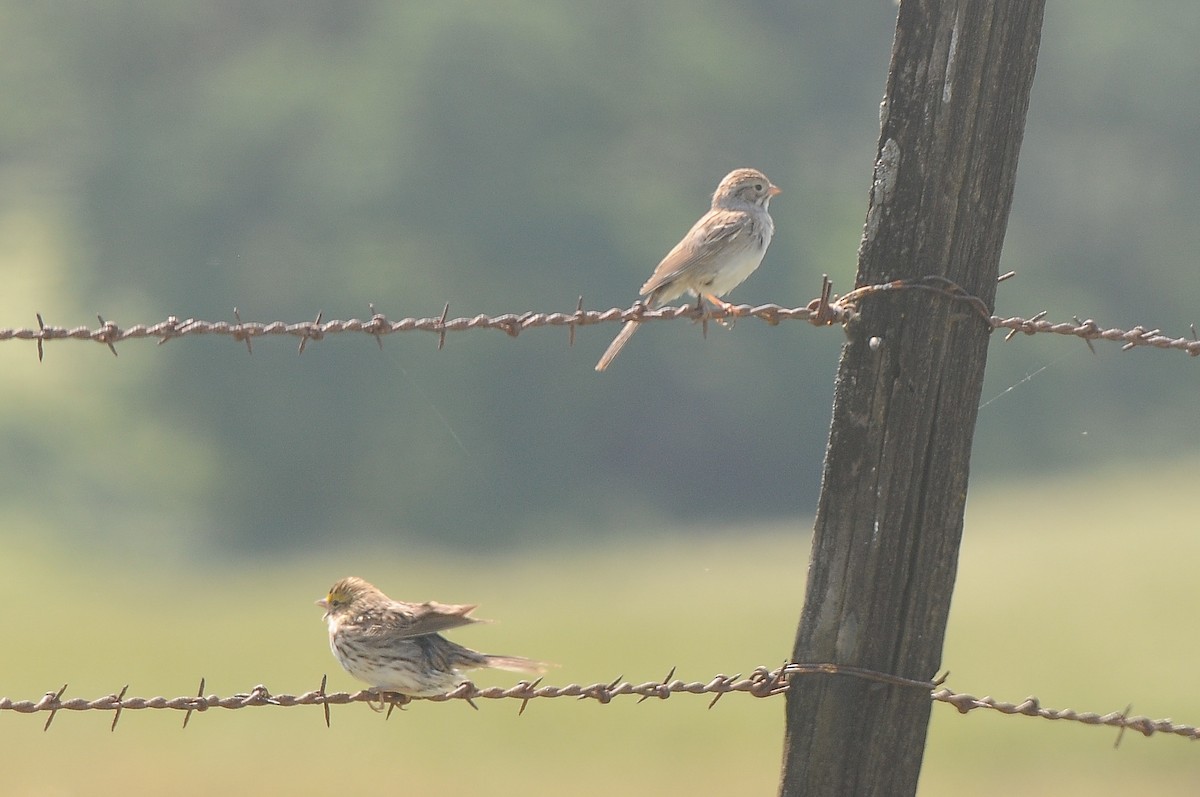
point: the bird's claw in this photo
(389, 700)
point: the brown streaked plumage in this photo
(397, 647)
(723, 248)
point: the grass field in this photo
(1079, 590)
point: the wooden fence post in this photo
(889, 519)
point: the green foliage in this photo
(288, 158)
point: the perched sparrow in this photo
(395, 646)
(720, 250)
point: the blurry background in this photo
(284, 158)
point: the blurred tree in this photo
(290, 158)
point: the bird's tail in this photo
(618, 343)
(516, 664)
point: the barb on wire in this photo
(52, 699)
(200, 706)
(579, 311)
(117, 714)
(41, 333)
(105, 334)
(312, 333)
(933, 283)
(441, 327)
(761, 683)
(1032, 707)
(240, 333)
(376, 324)
(826, 310)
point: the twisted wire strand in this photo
(761, 683)
(823, 311)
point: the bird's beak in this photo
(774, 191)
(323, 603)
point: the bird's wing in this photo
(715, 230)
(419, 619)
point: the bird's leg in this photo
(397, 699)
(718, 301)
(703, 308)
(389, 699)
(724, 305)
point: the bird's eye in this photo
(758, 186)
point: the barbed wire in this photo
(824, 311)
(761, 683)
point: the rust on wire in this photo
(931, 282)
(822, 311)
